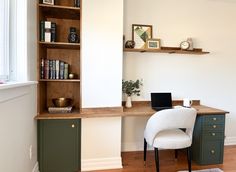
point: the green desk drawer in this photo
(213, 119)
(212, 153)
(213, 127)
(212, 135)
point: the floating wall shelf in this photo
(170, 50)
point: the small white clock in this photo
(184, 45)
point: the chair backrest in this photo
(170, 119)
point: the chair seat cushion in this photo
(172, 139)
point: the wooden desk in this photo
(144, 109)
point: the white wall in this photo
(101, 74)
(102, 34)
(18, 129)
(209, 78)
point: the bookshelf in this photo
(65, 15)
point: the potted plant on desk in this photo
(131, 88)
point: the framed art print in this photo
(154, 44)
(140, 34)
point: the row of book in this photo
(47, 31)
(60, 109)
(54, 69)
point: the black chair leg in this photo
(176, 153)
(189, 159)
(157, 159)
(145, 151)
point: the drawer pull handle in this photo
(212, 151)
(214, 126)
(213, 134)
(214, 119)
(73, 125)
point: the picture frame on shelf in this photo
(140, 34)
(49, 2)
(154, 44)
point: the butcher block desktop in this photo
(140, 108)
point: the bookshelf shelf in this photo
(169, 50)
(60, 11)
(59, 80)
(62, 45)
(46, 115)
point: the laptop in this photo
(160, 101)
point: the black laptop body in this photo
(160, 101)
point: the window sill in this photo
(16, 84)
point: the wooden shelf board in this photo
(75, 114)
(60, 80)
(169, 50)
(59, 11)
(64, 45)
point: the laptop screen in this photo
(161, 100)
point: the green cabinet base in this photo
(59, 145)
(208, 139)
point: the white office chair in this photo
(164, 130)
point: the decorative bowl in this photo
(62, 102)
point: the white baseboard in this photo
(133, 146)
(36, 167)
(230, 141)
(101, 164)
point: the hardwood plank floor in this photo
(133, 162)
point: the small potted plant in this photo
(131, 88)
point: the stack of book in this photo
(47, 31)
(60, 109)
(54, 69)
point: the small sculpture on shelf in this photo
(73, 37)
(129, 44)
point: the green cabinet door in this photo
(59, 145)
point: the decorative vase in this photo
(128, 103)
(73, 37)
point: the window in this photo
(13, 40)
(4, 40)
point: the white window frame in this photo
(5, 59)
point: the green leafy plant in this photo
(131, 87)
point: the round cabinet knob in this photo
(214, 119)
(212, 151)
(214, 126)
(73, 125)
(213, 134)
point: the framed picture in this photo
(153, 44)
(140, 34)
(50, 2)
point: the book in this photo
(53, 32)
(50, 70)
(42, 27)
(42, 69)
(57, 69)
(60, 109)
(66, 70)
(47, 31)
(46, 69)
(53, 69)
(62, 66)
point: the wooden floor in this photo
(133, 162)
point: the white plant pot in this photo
(128, 103)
